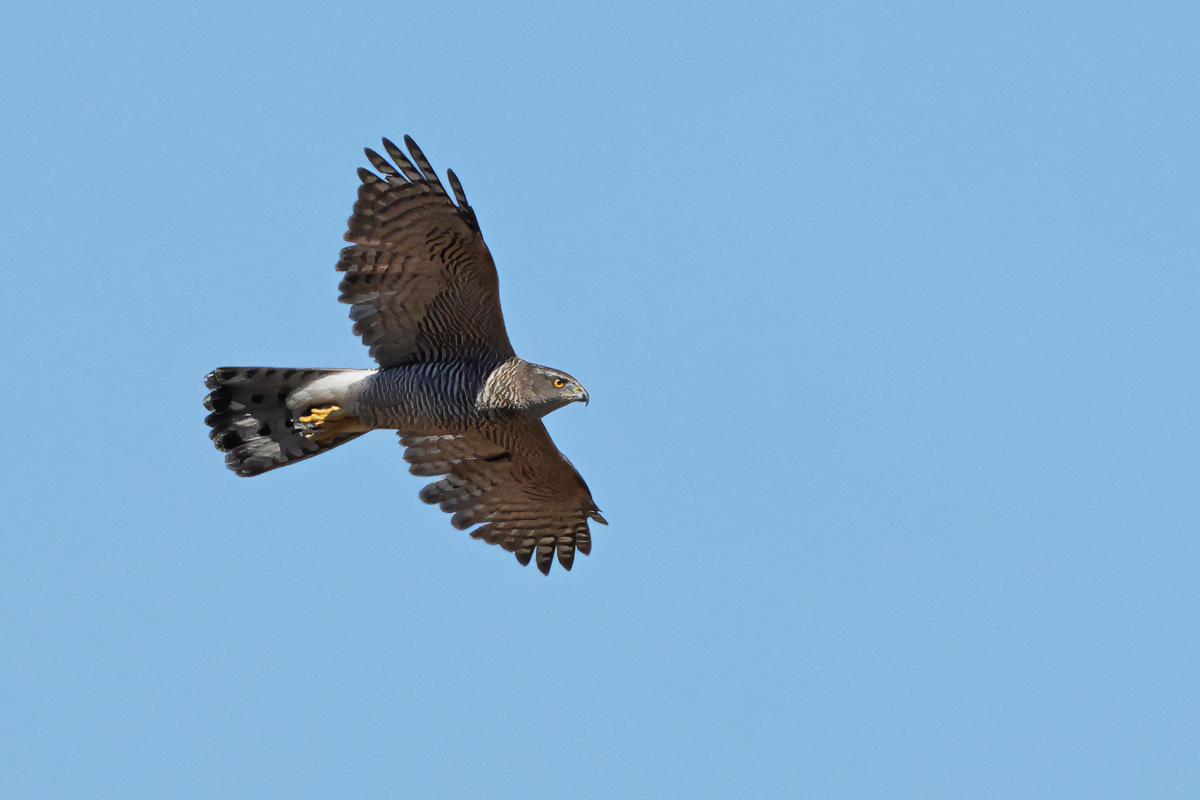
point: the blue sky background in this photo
(888, 313)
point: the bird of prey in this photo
(423, 294)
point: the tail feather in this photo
(253, 424)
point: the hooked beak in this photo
(582, 395)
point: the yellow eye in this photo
(559, 383)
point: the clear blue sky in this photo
(889, 317)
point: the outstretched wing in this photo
(510, 477)
(420, 280)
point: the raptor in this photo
(424, 296)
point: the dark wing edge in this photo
(419, 278)
(513, 482)
(422, 172)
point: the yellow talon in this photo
(317, 416)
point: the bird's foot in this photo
(317, 418)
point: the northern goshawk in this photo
(424, 297)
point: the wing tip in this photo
(456, 187)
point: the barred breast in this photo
(415, 397)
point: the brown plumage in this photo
(424, 297)
(420, 280)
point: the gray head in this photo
(518, 384)
(547, 389)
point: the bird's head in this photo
(552, 388)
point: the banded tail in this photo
(257, 413)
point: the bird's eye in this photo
(559, 383)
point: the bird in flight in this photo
(424, 297)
